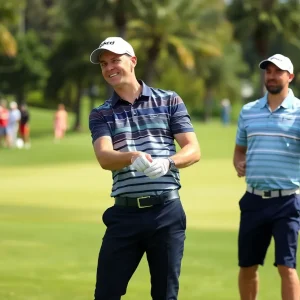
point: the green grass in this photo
(51, 202)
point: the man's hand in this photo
(141, 161)
(239, 160)
(158, 168)
(241, 168)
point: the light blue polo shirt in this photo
(273, 143)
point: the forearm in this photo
(114, 160)
(186, 156)
(239, 156)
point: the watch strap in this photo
(172, 163)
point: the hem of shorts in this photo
(250, 265)
(289, 265)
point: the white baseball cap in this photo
(281, 61)
(114, 44)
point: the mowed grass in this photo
(51, 202)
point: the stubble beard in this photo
(274, 90)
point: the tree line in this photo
(206, 50)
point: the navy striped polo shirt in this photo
(147, 125)
(272, 139)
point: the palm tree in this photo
(8, 44)
(8, 16)
(193, 34)
(175, 28)
(260, 22)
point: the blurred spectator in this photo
(60, 122)
(24, 126)
(13, 124)
(225, 111)
(4, 115)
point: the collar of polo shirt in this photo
(287, 102)
(146, 91)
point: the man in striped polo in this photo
(133, 136)
(267, 152)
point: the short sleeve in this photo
(97, 124)
(241, 135)
(180, 119)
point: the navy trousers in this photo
(158, 231)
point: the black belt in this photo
(147, 201)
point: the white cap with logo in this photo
(281, 61)
(114, 44)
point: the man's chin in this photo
(113, 83)
(274, 90)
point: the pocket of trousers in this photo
(105, 216)
(183, 216)
(296, 206)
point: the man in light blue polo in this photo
(133, 136)
(267, 152)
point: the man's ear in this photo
(133, 61)
(291, 77)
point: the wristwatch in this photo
(172, 164)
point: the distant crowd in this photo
(14, 124)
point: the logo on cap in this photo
(106, 43)
(275, 57)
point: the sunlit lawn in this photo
(51, 202)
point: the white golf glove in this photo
(141, 163)
(159, 167)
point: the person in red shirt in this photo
(4, 115)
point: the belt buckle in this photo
(139, 203)
(267, 194)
